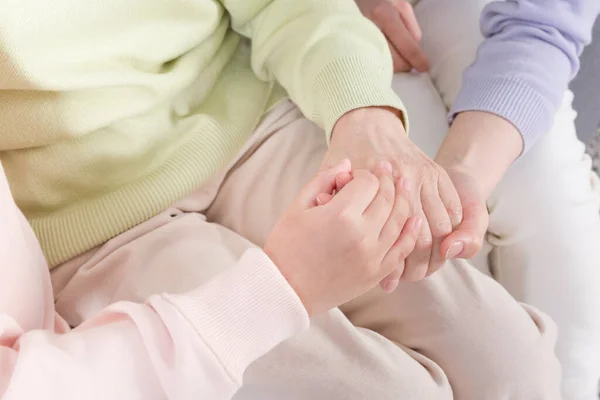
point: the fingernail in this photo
(390, 286)
(319, 201)
(387, 166)
(454, 250)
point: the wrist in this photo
(291, 275)
(483, 145)
(364, 117)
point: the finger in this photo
(400, 64)
(439, 224)
(451, 200)
(467, 239)
(341, 180)
(323, 182)
(403, 41)
(400, 213)
(396, 257)
(358, 194)
(323, 198)
(378, 212)
(417, 262)
(390, 282)
(407, 14)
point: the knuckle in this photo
(431, 174)
(424, 243)
(362, 248)
(389, 196)
(478, 243)
(443, 177)
(455, 211)
(347, 221)
(442, 228)
(403, 253)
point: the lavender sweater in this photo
(530, 54)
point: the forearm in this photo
(523, 67)
(482, 143)
(170, 347)
(327, 56)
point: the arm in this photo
(529, 55)
(508, 99)
(327, 56)
(197, 345)
(336, 66)
(184, 346)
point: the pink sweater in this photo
(174, 346)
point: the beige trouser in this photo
(456, 335)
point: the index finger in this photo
(407, 13)
(358, 194)
(404, 42)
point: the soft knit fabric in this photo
(172, 346)
(459, 335)
(523, 68)
(112, 110)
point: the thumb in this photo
(467, 239)
(341, 180)
(323, 182)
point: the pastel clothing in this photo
(457, 335)
(530, 53)
(113, 110)
(544, 232)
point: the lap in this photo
(413, 344)
(179, 250)
(453, 318)
(415, 341)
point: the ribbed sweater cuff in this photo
(350, 83)
(512, 99)
(244, 312)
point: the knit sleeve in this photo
(328, 57)
(171, 346)
(530, 53)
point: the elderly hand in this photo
(368, 136)
(397, 21)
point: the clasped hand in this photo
(446, 199)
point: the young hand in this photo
(334, 252)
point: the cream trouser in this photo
(544, 233)
(458, 334)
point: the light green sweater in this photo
(112, 110)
